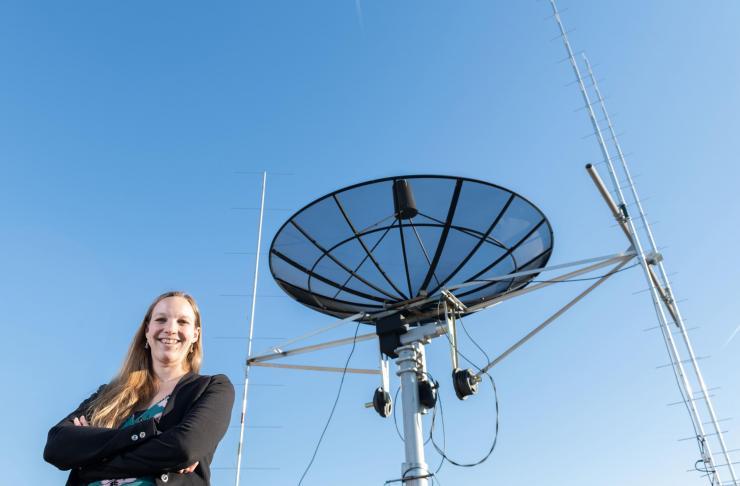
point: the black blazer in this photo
(194, 420)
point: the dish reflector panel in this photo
(390, 242)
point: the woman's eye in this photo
(161, 319)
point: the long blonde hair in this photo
(135, 384)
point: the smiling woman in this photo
(158, 421)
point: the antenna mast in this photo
(660, 287)
(251, 332)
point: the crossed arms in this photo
(102, 453)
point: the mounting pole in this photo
(251, 331)
(409, 367)
(410, 363)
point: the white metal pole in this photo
(251, 331)
(408, 362)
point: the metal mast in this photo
(660, 288)
(251, 332)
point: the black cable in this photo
(395, 420)
(470, 362)
(432, 476)
(434, 421)
(405, 478)
(475, 343)
(441, 451)
(705, 470)
(709, 472)
(334, 407)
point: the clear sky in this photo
(130, 132)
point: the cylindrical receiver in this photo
(403, 200)
(618, 214)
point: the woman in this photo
(158, 422)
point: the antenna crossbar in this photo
(277, 348)
(359, 371)
(307, 349)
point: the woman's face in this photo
(171, 331)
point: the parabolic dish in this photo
(388, 243)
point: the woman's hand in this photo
(189, 469)
(81, 421)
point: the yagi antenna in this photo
(666, 307)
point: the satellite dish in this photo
(390, 252)
(391, 243)
(410, 255)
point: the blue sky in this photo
(131, 131)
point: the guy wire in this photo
(334, 407)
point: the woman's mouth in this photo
(169, 341)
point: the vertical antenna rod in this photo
(589, 108)
(251, 332)
(664, 277)
(660, 292)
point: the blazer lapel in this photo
(186, 378)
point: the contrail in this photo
(358, 8)
(732, 336)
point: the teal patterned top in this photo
(155, 411)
